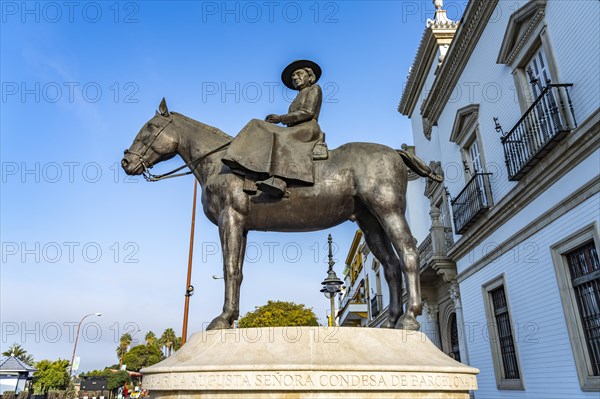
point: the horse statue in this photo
(361, 182)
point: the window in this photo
(454, 345)
(356, 267)
(526, 47)
(545, 104)
(442, 205)
(475, 198)
(584, 270)
(475, 157)
(501, 334)
(465, 133)
(578, 273)
(538, 73)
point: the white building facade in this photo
(506, 102)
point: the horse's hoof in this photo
(218, 324)
(408, 322)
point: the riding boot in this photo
(274, 186)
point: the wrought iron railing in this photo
(544, 124)
(472, 202)
(425, 251)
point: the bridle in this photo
(151, 177)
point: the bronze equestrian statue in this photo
(361, 182)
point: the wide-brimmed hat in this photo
(286, 75)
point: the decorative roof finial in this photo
(440, 18)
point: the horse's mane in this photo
(212, 129)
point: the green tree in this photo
(279, 314)
(51, 375)
(151, 338)
(117, 379)
(124, 343)
(141, 356)
(168, 339)
(20, 353)
(178, 344)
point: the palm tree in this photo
(168, 339)
(150, 338)
(20, 353)
(124, 343)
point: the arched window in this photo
(454, 347)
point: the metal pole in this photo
(332, 322)
(188, 293)
(75, 346)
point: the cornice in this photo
(468, 114)
(514, 40)
(350, 257)
(435, 34)
(474, 21)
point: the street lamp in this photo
(331, 285)
(76, 339)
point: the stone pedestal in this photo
(309, 362)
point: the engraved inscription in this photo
(311, 380)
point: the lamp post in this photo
(331, 285)
(76, 339)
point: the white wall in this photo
(545, 354)
(574, 31)
(542, 339)
(566, 185)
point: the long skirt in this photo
(268, 149)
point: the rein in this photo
(150, 177)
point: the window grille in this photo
(584, 270)
(504, 334)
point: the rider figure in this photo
(278, 154)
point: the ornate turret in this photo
(434, 45)
(440, 20)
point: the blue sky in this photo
(78, 82)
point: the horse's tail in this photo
(418, 166)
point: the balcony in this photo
(549, 119)
(474, 200)
(352, 313)
(425, 251)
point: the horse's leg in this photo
(396, 227)
(382, 249)
(242, 254)
(231, 231)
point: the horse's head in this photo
(155, 142)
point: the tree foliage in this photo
(20, 353)
(151, 338)
(124, 343)
(51, 375)
(279, 314)
(169, 340)
(141, 356)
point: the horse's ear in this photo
(162, 108)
